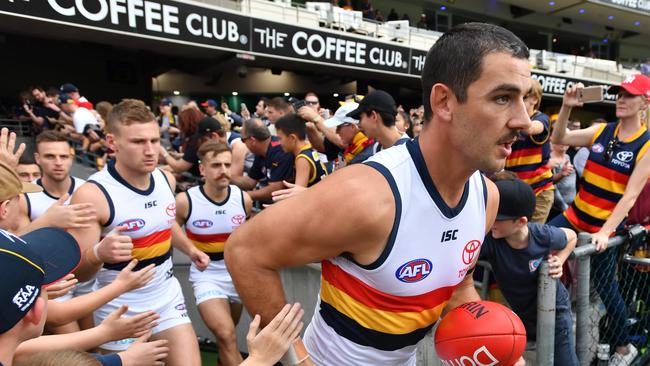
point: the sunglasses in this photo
(609, 151)
(311, 102)
(244, 138)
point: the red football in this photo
(481, 333)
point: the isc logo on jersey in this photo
(414, 271)
(202, 224)
(132, 224)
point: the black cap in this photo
(208, 125)
(68, 88)
(377, 100)
(516, 199)
(32, 261)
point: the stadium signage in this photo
(554, 85)
(310, 45)
(638, 5)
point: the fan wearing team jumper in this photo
(374, 304)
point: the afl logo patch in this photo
(238, 219)
(597, 148)
(132, 225)
(414, 271)
(202, 224)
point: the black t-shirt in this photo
(331, 150)
(191, 155)
(276, 166)
(516, 269)
(48, 114)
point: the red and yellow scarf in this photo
(359, 143)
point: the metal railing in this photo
(547, 292)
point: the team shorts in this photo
(162, 295)
(213, 283)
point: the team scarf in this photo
(359, 143)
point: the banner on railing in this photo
(635, 5)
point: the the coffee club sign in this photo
(185, 22)
(555, 85)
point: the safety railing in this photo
(586, 324)
(19, 126)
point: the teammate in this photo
(404, 229)
(136, 214)
(292, 133)
(615, 173)
(50, 206)
(210, 213)
(55, 160)
(27, 169)
(530, 155)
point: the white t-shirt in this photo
(82, 117)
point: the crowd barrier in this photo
(595, 331)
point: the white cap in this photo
(340, 116)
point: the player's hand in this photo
(129, 280)
(520, 362)
(144, 353)
(274, 340)
(118, 327)
(600, 239)
(200, 259)
(290, 191)
(571, 96)
(61, 287)
(554, 266)
(7, 146)
(77, 216)
(308, 114)
(115, 248)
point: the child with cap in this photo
(34, 261)
(515, 248)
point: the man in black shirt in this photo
(42, 111)
(271, 162)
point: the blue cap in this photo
(68, 88)
(65, 99)
(210, 103)
(166, 101)
(34, 260)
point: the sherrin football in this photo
(482, 333)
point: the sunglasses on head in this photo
(609, 151)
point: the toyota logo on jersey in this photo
(471, 251)
(132, 225)
(414, 271)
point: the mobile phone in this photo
(591, 94)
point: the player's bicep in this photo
(356, 220)
(182, 208)
(90, 193)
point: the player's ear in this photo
(523, 220)
(441, 99)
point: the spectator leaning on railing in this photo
(615, 173)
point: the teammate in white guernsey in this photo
(136, 213)
(51, 206)
(404, 230)
(210, 213)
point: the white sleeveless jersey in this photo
(148, 216)
(210, 223)
(39, 202)
(375, 314)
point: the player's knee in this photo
(225, 334)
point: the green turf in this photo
(209, 358)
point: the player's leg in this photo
(217, 316)
(235, 312)
(183, 346)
